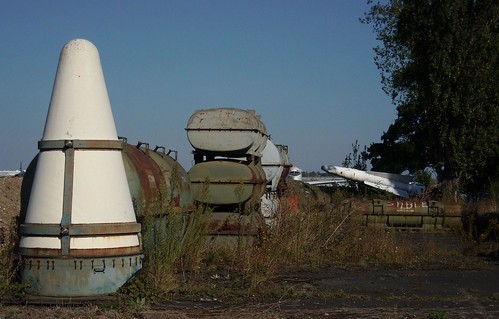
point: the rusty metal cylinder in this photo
(158, 184)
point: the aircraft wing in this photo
(323, 182)
(391, 189)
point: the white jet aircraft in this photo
(400, 185)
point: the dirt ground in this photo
(347, 293)
(472, 292)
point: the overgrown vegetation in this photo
(173, 245)
(439, 64)
(9, 262)
(313, 228)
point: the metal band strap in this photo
(119, 252)
(67, 199)
(81, 230)
(81, 145)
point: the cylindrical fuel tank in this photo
(286, 163)
(271, 162)
(226, 182)
(227, 131)
(158, 183)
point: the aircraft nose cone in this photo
(328, 168)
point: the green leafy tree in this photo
(439, 63)
(356, 159)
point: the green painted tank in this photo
(227, 131)
(227, 182)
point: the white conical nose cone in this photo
(80, 110)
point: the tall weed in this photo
(9, 261)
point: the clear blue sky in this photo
(305, 66)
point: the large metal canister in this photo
(286, 167)
(284, 153)
(87, 273)
(70, 271)
(226, 182)
(158, 183)
(159, 187)
(271, 162)
(227, 131)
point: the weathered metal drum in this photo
(226, 182)
(160, 188)
(271, 162)
(226, 131)
(158, 183)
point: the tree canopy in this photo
(439, 63)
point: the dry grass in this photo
(313, 232)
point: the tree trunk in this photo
(450, 185)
